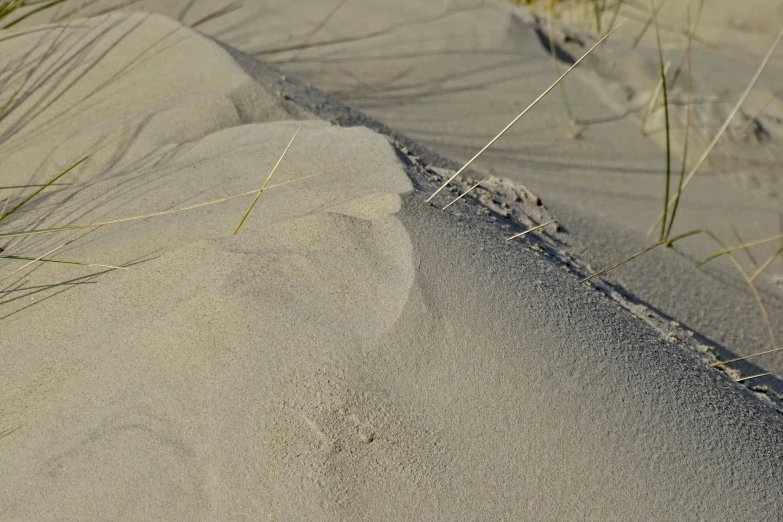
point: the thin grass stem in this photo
(763, 266)
(723, 127)
(464, 193)
(31, 196)
(688, 111)
(530, 230)
(668, 129)
(47, 254)
(729, 250)
(749, 377)
(539, 98)
(746, 357)
(20, 233)
(63, 261)
(753, 289)
(647, 24)
(258, 195)
(605, 270)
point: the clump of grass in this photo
(687, 179)
(666, 220)
(13, 7)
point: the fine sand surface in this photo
(451, 73)
(352, 353)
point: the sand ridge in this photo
(352, 353)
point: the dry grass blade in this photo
(667, 242)
(648, 108)
(530, 230)
(570, 118)
(723, 127)
(763, 266)
(258, 195)
(729, 250)
(42, 187)
(5, 206)
(464, 193)
(20, 233)
(668, 129)
(33, 185)
(753, 289)
(631, 258)
(538, 99)
(63, 261)
(52, 251)
(740, 241)
(647, 24)
(746, 357)
(688, 110)
(749, 377)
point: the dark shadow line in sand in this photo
(47, 101)
(549, 46)
(69, 284)
(361, 37)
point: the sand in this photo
(451, 74)
(352, 353)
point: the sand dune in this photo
(352, 352)
(451, 74)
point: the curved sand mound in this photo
(451, 74)
(351, 353)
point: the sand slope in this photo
(351, 354)
(451, 74)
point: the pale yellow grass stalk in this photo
(530, 230)
(464, 193)
(765, 352)
(763, 266)
(742, 246)
(258, 195)
(722, 129)
(634, 256)
(538, 99)
(20, 233)
(38, 259)
(749, 377)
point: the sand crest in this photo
(352, 353)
